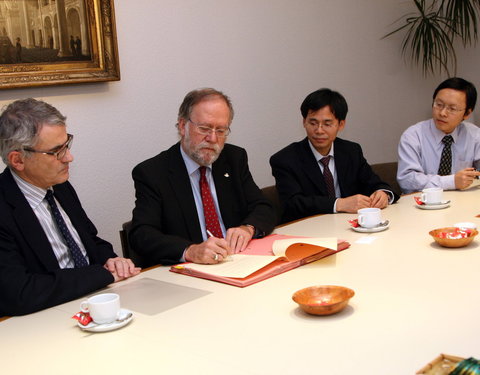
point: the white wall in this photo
(267, 55)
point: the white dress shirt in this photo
(331, 165)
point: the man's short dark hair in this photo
(322, 98)
(460, 84)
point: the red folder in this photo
(296, 255)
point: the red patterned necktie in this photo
(327, 176)
(209, 211)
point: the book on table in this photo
(264, 258)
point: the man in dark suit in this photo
(49, 250)
(197, 200)
(322, 173)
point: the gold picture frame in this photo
(49, 53)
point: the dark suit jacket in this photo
(300, 182)
(165, 220)
(30, 277)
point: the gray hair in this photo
(21, 121)
(196, 96)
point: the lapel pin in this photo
(226, 175)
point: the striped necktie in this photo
(327, 176)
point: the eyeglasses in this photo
(60, 152)
(327, 125)
(207, 130)
(450, 109)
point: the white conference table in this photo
(413, 301)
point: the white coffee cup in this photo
(369, 217)
(432, 195)
(103, 308)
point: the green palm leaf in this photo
(430, 32)
(463, 16)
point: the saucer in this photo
(437, 206)
(94, 327)
(371, 230)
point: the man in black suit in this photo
(49, 250)
(177, 217)
(322, 173)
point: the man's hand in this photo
(121, 268)
(353, 203)
(465, 177)
(379, 199)
(211, 251)
(239, 237)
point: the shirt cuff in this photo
(182, 259)
(448, 182)
(390, 193)
(335, 206)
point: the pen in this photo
(228, 257)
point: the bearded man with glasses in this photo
(197, 201)
(443, 151)
(49, 250)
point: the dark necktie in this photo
(75, 251)
(445, 167)
(327, 176)
(209, 211)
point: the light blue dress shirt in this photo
(419, 153)
(194, 174)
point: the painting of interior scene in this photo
(43, 31)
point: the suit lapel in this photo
(180, 183)
(74, 211)
(28, 224)
(311, 167)
(223, 179)
(342, 166)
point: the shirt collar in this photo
(438, 134)
(32, 193)
(190, 164)
(318, 155)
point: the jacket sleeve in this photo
(296, 194)
(26, 286)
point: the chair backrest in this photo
(388, 173)
(271, 193)
(128, 252)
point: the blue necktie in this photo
(75, 251)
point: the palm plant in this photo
(433, 29)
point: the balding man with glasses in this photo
(443, 151)
(49, 250)
(197, 201)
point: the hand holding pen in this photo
(212, 251)
(221, 257)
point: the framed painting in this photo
(53, 42)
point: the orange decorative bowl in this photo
(443, 236)
(323, 299)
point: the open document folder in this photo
(264, 258)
